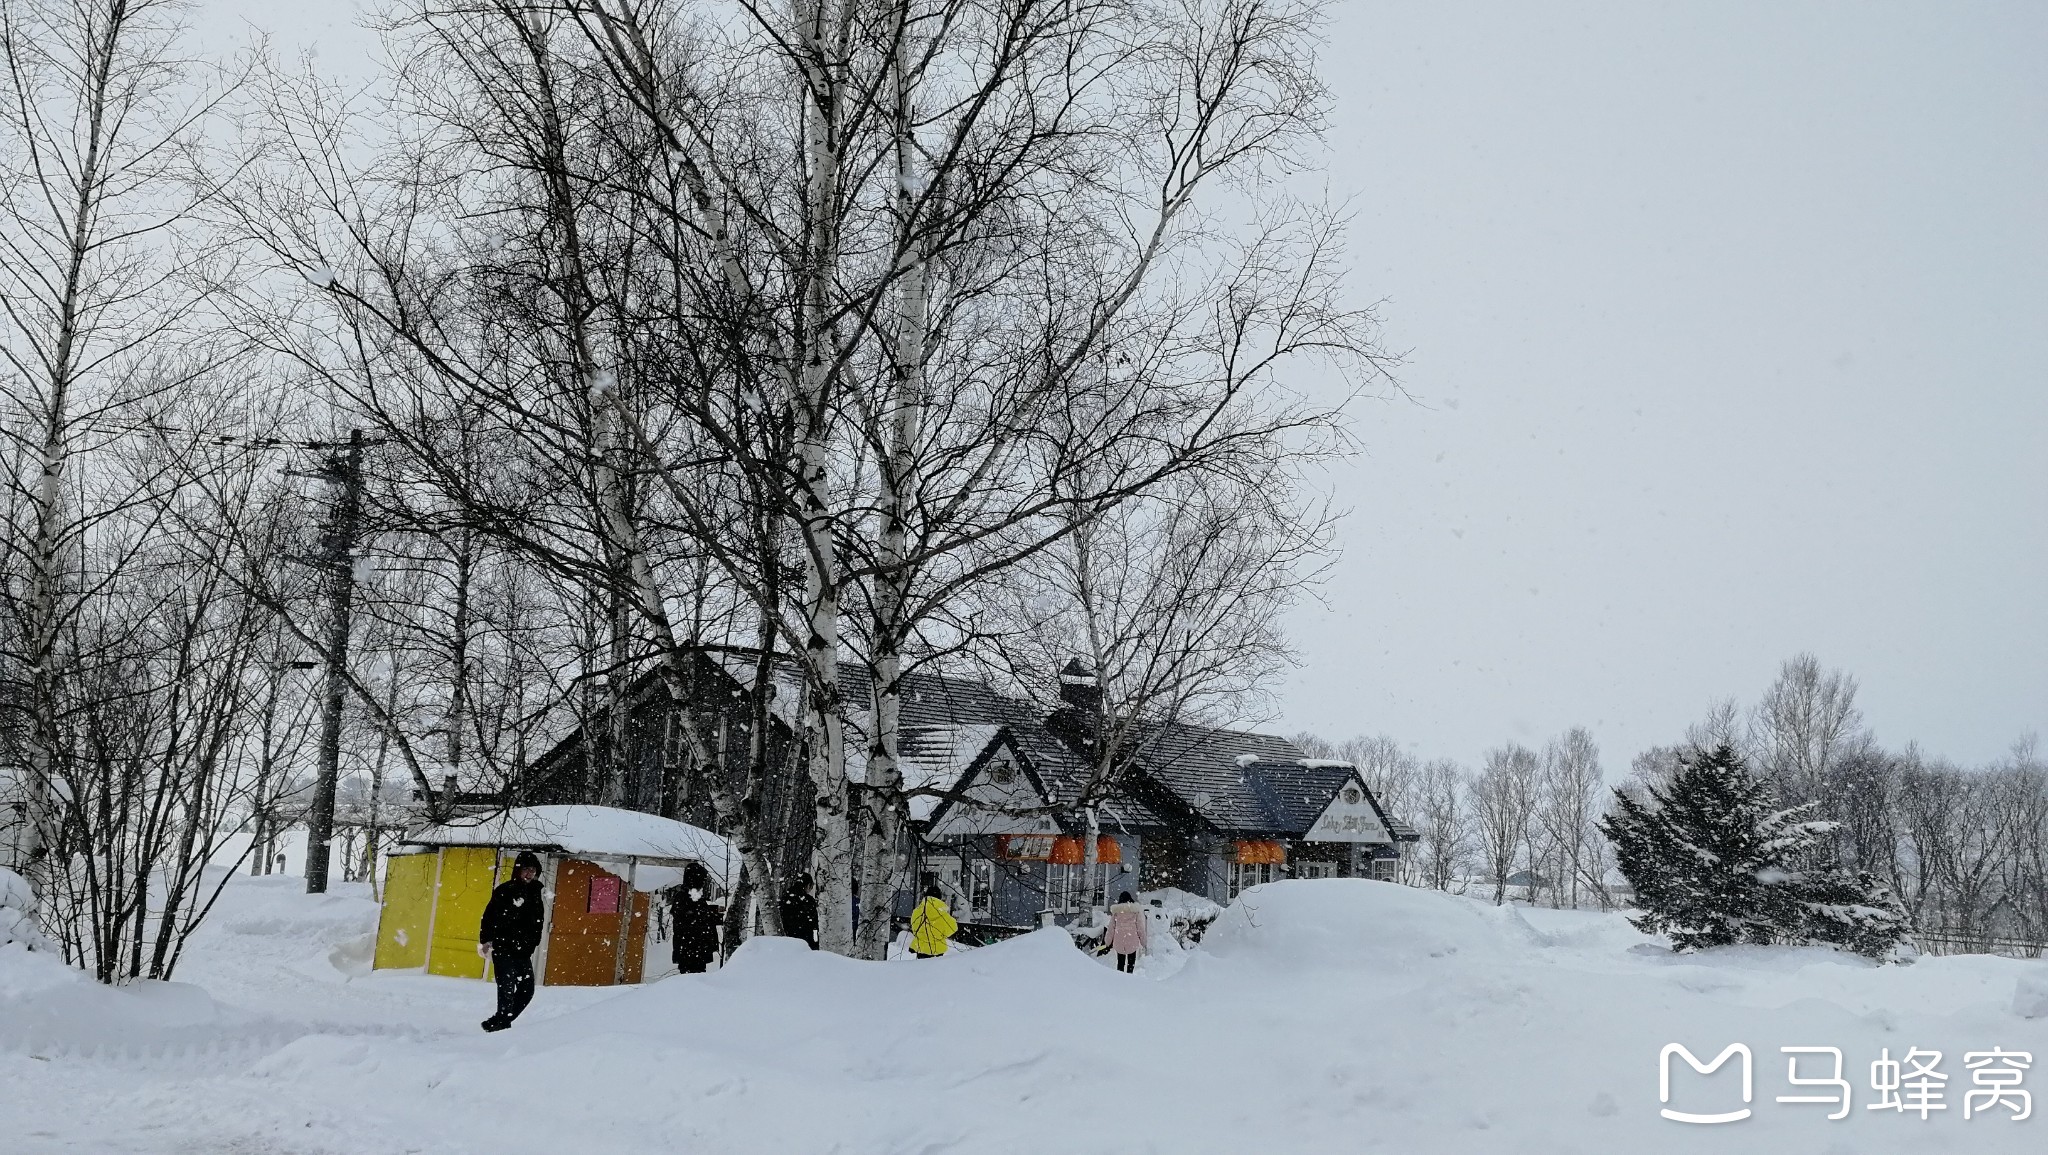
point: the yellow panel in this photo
(467, 876)
(402, 924)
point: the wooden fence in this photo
(1944, 944)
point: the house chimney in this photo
(1080, 688)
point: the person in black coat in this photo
(800, 911)
(509, 936)
(696, 923)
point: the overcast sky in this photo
(1728, 331)
(1727, 336)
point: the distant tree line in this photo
(1964, 849)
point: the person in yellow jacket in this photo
(931, 924)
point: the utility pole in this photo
(346, 471)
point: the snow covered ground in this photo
(1318, 1016)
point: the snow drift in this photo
(1360, 925)
(1317, 1016)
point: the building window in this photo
(1244, 875)
(981, 888)
(944, 869)
(1025, 847)
(674, 761)
(1386, 869)
(1315, 869)
(1065, 884)
(1256, 862)
(969, 886)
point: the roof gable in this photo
(999, 793)
(1353, 815)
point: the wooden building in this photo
(994, 782)
(598, 867)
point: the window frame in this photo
(978, 888)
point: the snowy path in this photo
(1322, 1017)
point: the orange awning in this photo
(1063, 850)
(1252, 852)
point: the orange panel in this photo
(582, 946)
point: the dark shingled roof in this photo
(1255, 783)
(1065, 773)
(1248, 784)
(1062, 773)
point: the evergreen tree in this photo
(1713, 862)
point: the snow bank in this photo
(2030, 995)
(327, 937)
(26, 973)
(47, 1005)
(1355, 923)
(1181, 905)
(1320, 1016)
(277, 907)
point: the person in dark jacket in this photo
(800, 911)
(696, 923)
(509, 936)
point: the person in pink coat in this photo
(1127, 932)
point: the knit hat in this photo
(526, 858)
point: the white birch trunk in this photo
(32, 821)
(886, 805)
(833, 852)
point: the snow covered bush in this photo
(1714, 863)
(1188, 915)
(17, 913)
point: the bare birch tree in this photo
(1569, 798)
(1503, 807)
(1805, 725)
(1442, 814)
(931, 286)
(97, 320)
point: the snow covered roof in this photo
(934, 756)
(944, 722)
(1242, 784)
(1054, 768)
(598, 832)
(782, 674)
